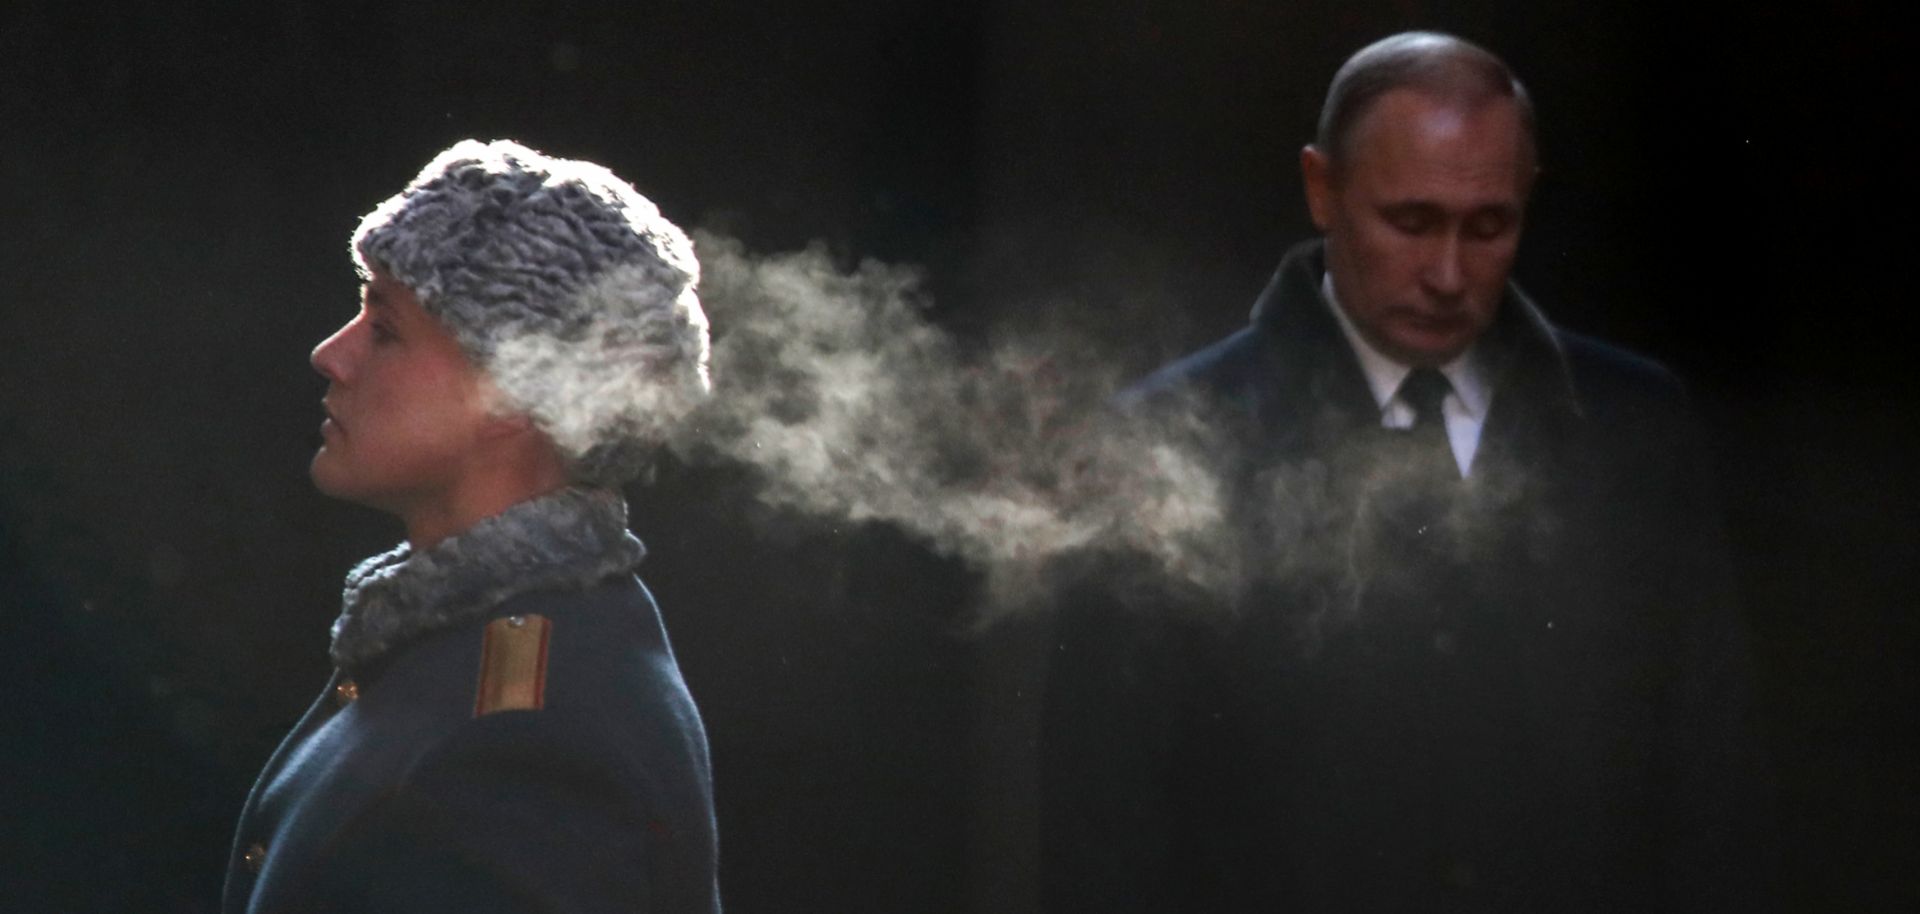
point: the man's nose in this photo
(1445, 275)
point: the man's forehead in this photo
(1414, 137)
(1439, 116)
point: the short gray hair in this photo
(1451, 68)
(562, 283)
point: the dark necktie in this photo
(1424, 389)
(1414, 503)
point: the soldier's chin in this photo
(329, 476)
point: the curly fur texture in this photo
(564, 284)
(568, 539)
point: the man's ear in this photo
(1529, 178)
(1316, 175)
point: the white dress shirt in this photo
(1465, 408)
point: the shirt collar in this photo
(1467, 372)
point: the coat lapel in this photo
(1313, 393)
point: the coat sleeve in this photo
(524, 811)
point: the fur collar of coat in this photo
(567, 539)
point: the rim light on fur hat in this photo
(564, 284)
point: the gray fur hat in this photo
(561, 282)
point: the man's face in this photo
(406, 409)
(1422, 220)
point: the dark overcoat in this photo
(1534, 697)
(402, 790)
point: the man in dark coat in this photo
(1485, 656)
(507, 729)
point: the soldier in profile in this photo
(507, 728)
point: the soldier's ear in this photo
(1316, 175)
(508, 425)
(502, 420)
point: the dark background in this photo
(178, 182)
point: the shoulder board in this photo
(513, 665)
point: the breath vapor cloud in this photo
(852, 405)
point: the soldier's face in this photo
(406, 409)
(1422, 220)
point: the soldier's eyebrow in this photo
(376, 299)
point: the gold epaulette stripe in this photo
(513, 665)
